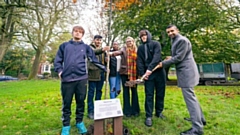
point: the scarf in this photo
(132, 64)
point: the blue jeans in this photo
(115, 86)
(92, 86)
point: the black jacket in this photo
(113, 65)
(153, 55)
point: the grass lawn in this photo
(34, 108)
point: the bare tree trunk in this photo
(3, 48)
(35, 65)
(6, 31)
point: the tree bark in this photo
(35, 65)
(3, 48)
(6, 31)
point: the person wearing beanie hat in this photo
(96, 76)
(97, 37)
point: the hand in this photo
(106, 48)
(168, 57)
(59, 75)
(145, 77)
(106, 59)
(147, 74)
(160, 64)
(111, 53)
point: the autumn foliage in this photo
(117, 4)
(120, 4)
(74, 1)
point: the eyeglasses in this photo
(128, 41)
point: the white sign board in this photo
(107, 109)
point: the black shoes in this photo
(128, 115)
(118, 92)
(148, 122)
(160, 115)
(134, 115)
(203, 121)
(187, 119)
(192, 131)
(90, 116)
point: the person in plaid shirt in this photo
(128, 72)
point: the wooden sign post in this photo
(105, 109)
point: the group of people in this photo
(80, 65)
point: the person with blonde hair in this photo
(128, 72)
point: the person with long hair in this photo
(128, 72)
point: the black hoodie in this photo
(153, 55)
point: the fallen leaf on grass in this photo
(18, 133)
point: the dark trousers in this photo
(128, 108)
(158, 82)
(92, 87)
(68, 89)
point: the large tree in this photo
(8, 19)
(45, 20)
(201, 21)
(219, 41)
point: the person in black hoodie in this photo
(148, 56)
(71, 65)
